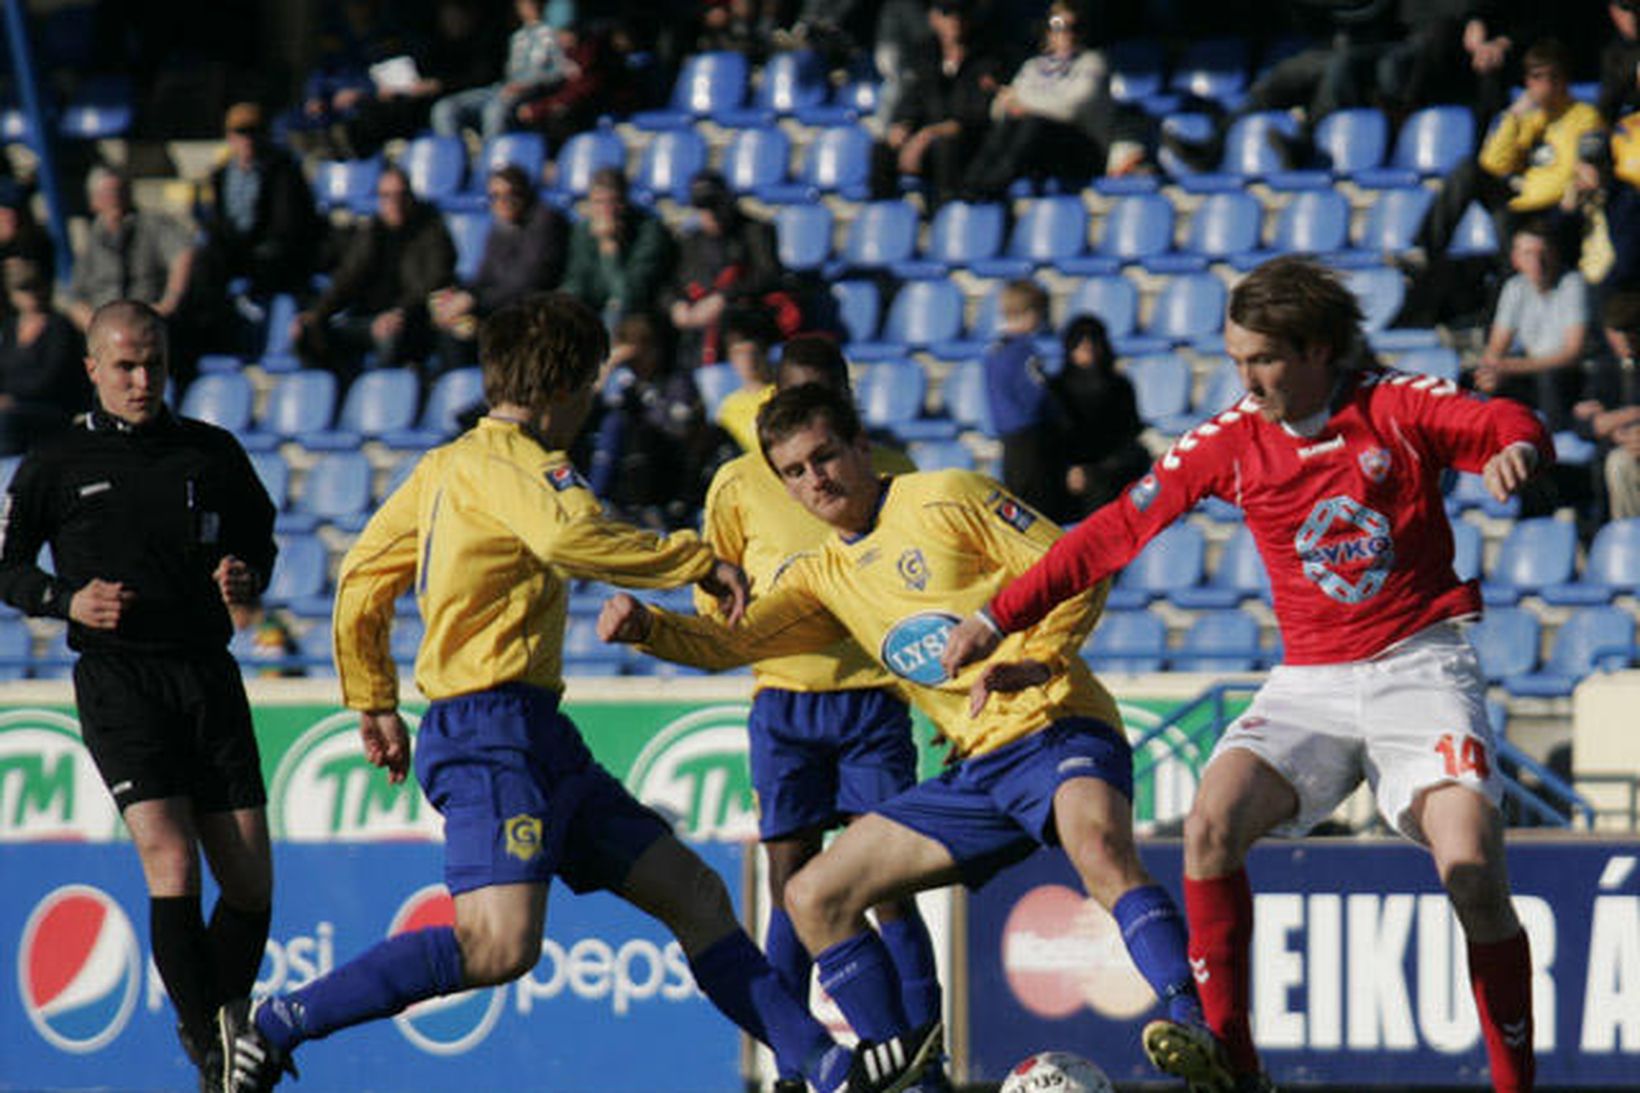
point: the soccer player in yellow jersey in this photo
(488, 530)
(1042, 756)
(830, 737)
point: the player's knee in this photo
(490, 957)
(813, 902)
(170, 865)
(1477, 891)
(1210, 843)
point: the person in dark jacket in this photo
(378, 296)
(156, 524)
(523, 253)
(1021, 410)
(21, 236)
(42, 374)
(619, 256)
(728, 261)
(1098, 419)
(259, 217)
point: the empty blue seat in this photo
(1239, 575)
(756, 159)
(16, 645)
(882, 233)
(524, 150)
(301, 402)
(670, 161)
(437, 166)
(1476, 235)
(964, 398)
(1380, 291)
(469, 231)
(336, 491)
(1537, 552)
(709, 83)
(1438, 360)
(1312, 222)
(54, 660)
(1249, 147)
(378, 402)
(960, 235)
(1050, 230)
(941, 455)
(1171, 561)
(891, 396)
(1593, 639)
(1613, 567)
(1137, 69)
(793, 82)
(453, 393)
(396, 477)
(1393, 220)
(1113, 298)
(1189, 308)
(859, 307)
(584, 155)
(224, 399)
(803, 235)
(1161, 385)
(1468, 550)
(1469, 491)
(300, 572)
(838, 160)
(1126, 641)
(923, 313)
(1506, 640)
(100, 108)
(347, 184)
(1220, 641)
(1431, 142)
(714, 382)
(1352, 140)
(1213, 68)
(1224, 226)
(274, 474)
(1138, 227)
(1222, 390)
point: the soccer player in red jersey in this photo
(1335, 461)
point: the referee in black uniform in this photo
(156, 524)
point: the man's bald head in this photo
(126, 360)
(132, 316)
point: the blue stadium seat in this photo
(803, 235)
(1222, 390)
(274, 474)
(100, 108)
(301, 572)
(1212, 68)
(1612, 569)
(380, 401)
(882, 233)
(8, 468)
(1393, 220)
(1352, 140)
(1161, 384)
(923, 313)
(1190, 308)
(1127, 642)
(276, 343)
(891, 396)
(1113, 298)
(336, 491)
(838, 160)
(469, 231)
(300, 403)
(1380, 291)
(455, 391)
(668, 164)
(1223, 227)
(708, 83)
(347, 184)
(1468, 491)
(1431, 143)
(1220, 641)
(1476, 235)
(859, 306)
(16, 644)
(964, 398)
(522, 149)
(1239, 575)
(961, 235)
(1312, 222)
(584, 155)
(396, 477)
(437, 166)
(585, 654)
(756, 159)
(793, 82)
(714, 382)
(1169, 562)
(405, 640)
(1593, 639)
(1436, 360)
(1137, 228)
(941, 455)
(1506, 640)
(1137, 69)
(55, 660)
(1468, 550)
(1249, 146)
(1537, 552)
(1050, 230)
(224, 399)
(314, 647)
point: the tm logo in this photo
(694, 771)
(50, 790)
(325, 790)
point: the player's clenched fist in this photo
(623, 620)
(99, 604)
(728, 585)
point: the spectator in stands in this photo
(941, 121)
(21, 236)
(464, 52)
(735, 26)
(1054, 119)
(1021, 408)
(1535, 347)
(524, 253)
(356, 35)
(42, 361)
(1098, 418)
(650, 444)
(597, 83)
(619, 256)
(728, 261)
(536, 61)
(749, 335)
(260, 221)
(1526, 162)
(268, 648)
(1620, 62)
(378, 295)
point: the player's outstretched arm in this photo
(727, 584)
(386, 743)
(1005, 677)
(623, 620)
(1507, 472)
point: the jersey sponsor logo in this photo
(50, 790)
(79, 969)
(1312, 450)
(325, 790)
(914, 569)
(1012, 512)
(911, 650)
(1375, 463)
(450, 1024)
(95, 488)
(565, 477)
(1365, 551)
(1144, 492)
(694, 771)
(524, 837)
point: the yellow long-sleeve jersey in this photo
(737, 413)
(489, 528)
(943, 543)
(751, 520)
(1539, 151)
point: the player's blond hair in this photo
(540, 348)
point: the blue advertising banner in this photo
(1359, 968)
(610, 1006)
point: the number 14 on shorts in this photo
(1463, 755)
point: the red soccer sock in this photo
(1220, 912)
(1500, 973)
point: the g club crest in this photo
(523, 837)
(1375, 463)
(914, 569)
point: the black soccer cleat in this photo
(207, 1059)
(251, 1063)
(791, 1085)
(1190, 1052)
(894, 1064)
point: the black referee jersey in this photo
(154, 507)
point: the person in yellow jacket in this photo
(1040, 755)
(1527, 162)
(488, 530)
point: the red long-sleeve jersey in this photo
(1349, 522)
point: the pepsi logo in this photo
(451, 1024)
(79, 969)
(1061, 950)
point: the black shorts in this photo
(170, 726)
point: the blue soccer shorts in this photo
(820, 757)
(995, 809)
(522, 798)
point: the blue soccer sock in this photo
(859, 975)
(745, 987)
(912, 951)
(1155, 935)
(379, 982)
(793, 963)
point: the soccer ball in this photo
(1056, 1072)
